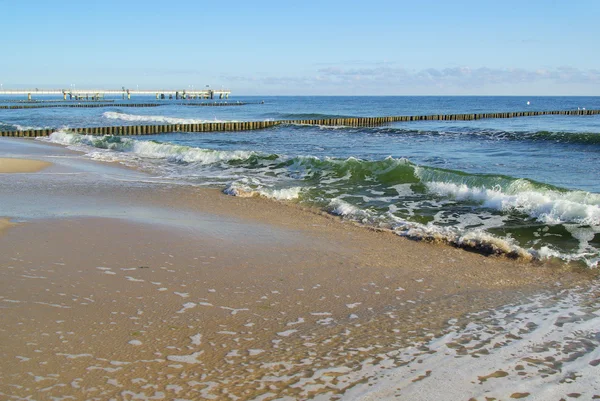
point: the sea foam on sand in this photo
(545, 349)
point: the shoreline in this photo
(129, 288)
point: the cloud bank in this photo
(391, 79)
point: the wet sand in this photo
(4, 224)
(115, 288)
(9, 165)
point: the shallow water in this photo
(542, 349)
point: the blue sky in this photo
(367, 47)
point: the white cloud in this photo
(385, 78)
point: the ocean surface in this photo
(525, 187)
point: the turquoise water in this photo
(528, 186)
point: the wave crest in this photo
(521, 196)
(151, 149)
(115, 115)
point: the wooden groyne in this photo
(254, 125)
(150, 129)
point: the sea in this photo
(523, 187)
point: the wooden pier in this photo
(99, 94)
(254, 125)
(35, 105)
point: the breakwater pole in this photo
(379, 121)
(254, 125)
(130, 130)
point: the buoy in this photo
(528, 103)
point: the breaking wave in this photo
(4, 126)
(150, 149)
(304, 116)
(114, 115)
(492, 214)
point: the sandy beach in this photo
(117, 285)
(9, 165)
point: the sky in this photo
(367, 47)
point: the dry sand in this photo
(10, 165)
(240, 299)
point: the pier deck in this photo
(95, 94)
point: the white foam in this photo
(186, 306)
(242, 190)
(113, 115)
(547, 347)
(343, 208)
(20, 127)
(144, 149)
(196, 339)
(547, 206)
(191, 359)
(234, 311)
(177, 153)
(75, 356)
(299, 321)
(282, 194)
(233, 353)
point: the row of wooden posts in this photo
(253, 125)
(151, 129)
(89, 105)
